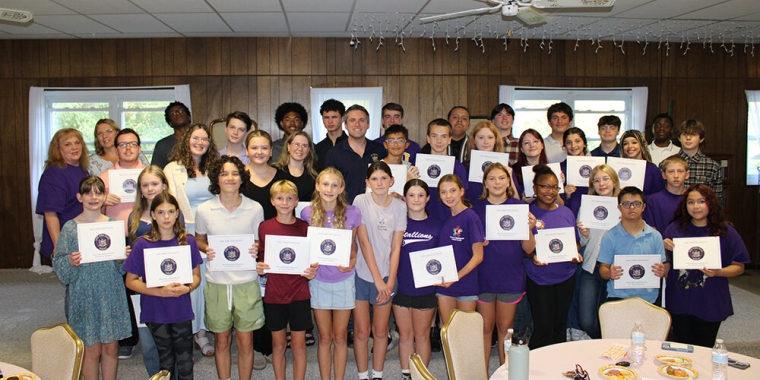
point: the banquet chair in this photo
(417, 368)
(161, 375)
(617, 319)
(462, 338)
(57, 353)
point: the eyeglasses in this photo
(107, 132)
(396, 141)
(177, 112)
(634, 204)
(196, 139)
(299, 145)
(549, 187)
(600, 180)
(131, 144)
(580, 373)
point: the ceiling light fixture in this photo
(15, 15)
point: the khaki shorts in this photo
(233, 305)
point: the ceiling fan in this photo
(15, 15)
(522, 9)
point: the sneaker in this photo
(576, 334)
(259, 361)
(268, 358)
(390, 341)
(569, 335)
(406, 376)
(126, 352)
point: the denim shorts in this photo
(366, 291)
(333, 295)
(460, 298)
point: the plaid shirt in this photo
(511, 147)
(705, 170)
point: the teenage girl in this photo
(167, 310)
(633, 145)
(332, 289)
(531, 153)
(575, 144)
(485, 137)
(97, 310)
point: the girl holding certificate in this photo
(575, 144)
(96, 308)
(167, 310)
(332, 289)
(531, 153)
(485, 137)
(699, 300)
(501, 275)
(380, 235)
(633, 145)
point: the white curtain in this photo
(639, 108)
(370, 98)
(753, 104)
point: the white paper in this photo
(123, 182)
(697, 253)
(399, 179)
(507, 222)
(599, 212)
(231, 253)
(528, 175)
(579, 169)
(168, 264)
(300, 207)
(434, 265)
(433, 167)
(479, 161)
(556, 245)
(637, 271)
(287, 254)
(101, 241)
(630, 171)
(135, 299)
(330, 246)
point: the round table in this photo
(551, 361)
(10, 370)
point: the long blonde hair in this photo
(496, 166)
(141, 203)
(308, 162)
(99, 149)
(318, 213)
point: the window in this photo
(753, 138)
(370, 98)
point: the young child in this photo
(661, 206)
(380, 235)
(166, 310)
(396, 141)
(332, 288)
(96, 308)
(703, 169)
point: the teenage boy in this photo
(503, 117)
(332, 118)
(396, 142)
(703, 169)
(393, 114)
(662, 205)
(662, 146)
(287, 301)
(289, 117)
(632, 236)
(559, 116)
(609, 128)
(238, 126)
(177, 115)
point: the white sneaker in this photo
(259, 361)
(576, 334)
(569, 335)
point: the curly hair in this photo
(283, 110)
(640, 139)
(54, 150)
(716, 220)
(141, 202)
(179, 229)
(309, 162)
(318, 213)
(216, 168)
(497, 166)
(167, 114)
(99, 149)
(183, 156)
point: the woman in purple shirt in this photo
(633, 145)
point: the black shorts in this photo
(297, 314)
(428, 301)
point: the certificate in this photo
(528, 175)
(102, 241)
(637, 271)
(630, 171)
(432, 168)
(123, 182)
(599, 212)
(330, 246)
(579, 169)
(433, 266)
(166, 265)
(697, 253)
(556, 245)
(300, 207)
(507, 222)
(479, 161)
(231, 253)
(286, 254)
(399, 177)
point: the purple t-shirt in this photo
(690, 291)
(653, 181)
(435, 207)
(661, 206)
(161, 309)
(419, 235)
(326, 273)
(554, 273)
(462, 231)
(502, 269)
(57, 192)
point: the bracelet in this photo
(189, 289)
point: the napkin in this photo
(616, 352)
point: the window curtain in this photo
(753, 105)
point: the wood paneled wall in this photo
(256, 74)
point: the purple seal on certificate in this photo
(434, 171)
(485, 165)
(625, 174)
(231, 253)
(601, 213)
(506, 223)
(433, 266)
(555, 245)
(327, 247)
(287, 255)
(102, 242)
(584, 171)
(168, 267)
(636, 271)
(696, 253)
(129, 186)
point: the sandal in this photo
(205, 346)
(310, 338)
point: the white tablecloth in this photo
(10, 370)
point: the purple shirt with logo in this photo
(462, 231)
(554, 273)
(419, 235)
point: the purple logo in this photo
(636, 271)
(434, 171)
(625, 174)
(102, 242)
(485, 165)
(287, 255)
(129, 186)
(506, 223)
(696, 253)
(585, 171)
(601, 213)
(433, 266)
(231, 253)
(168, 267)
(555, 245)
(327, 247)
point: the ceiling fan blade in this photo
(530, 17)
(15, 15)
(471, 12)
(571, 3)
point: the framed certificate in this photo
(330, 246)
(432, 168)
(599, 212)
(433, 266)
(399, 177)
(630, 171)
(637, 271)
(287, 254)
(507, 222)
(168, 264)
(579, 169)
(697, 253)
(102, 241)
(556, 245)
(123, 182)
(479, 161)
(528, 175)
(231, 253)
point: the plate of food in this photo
(677, 371)
(616, 372)
(672, 359)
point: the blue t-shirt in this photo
(554, 273)
(419, 235)
(462, 231)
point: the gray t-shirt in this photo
(381, 223)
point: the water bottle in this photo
(519, 359)
(507, 345)
(719, 361)
(638, 339)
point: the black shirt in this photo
(325, 145)
(354, 167)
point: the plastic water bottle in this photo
(719, 361)
(507, 344)
(638, 348)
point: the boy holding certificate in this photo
(661, 206)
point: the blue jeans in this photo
(149, 351)
(592, 292)
(572, 315)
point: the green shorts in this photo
(238, 305)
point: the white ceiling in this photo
(645, 20)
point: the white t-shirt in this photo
(381, 223)
(660, 154)
(553, 149)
